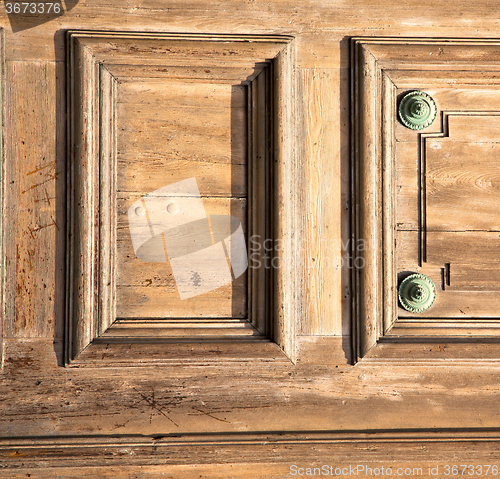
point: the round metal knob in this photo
(417, 293)
(417, 110)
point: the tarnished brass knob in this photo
(417, 293)
(417, 110)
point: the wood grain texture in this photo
(473, 273)
(172, 131)
(461, 168)
(261, 199)
(452, 328)
(324, 255)
(118, 401)
(35, 146)
(288, 203)
(472, 101)
(132, 271)
(173, 330)
(457, 208)
(407, 186)
(239, 455)
(368, 225)
(458, 174)
(168, 132)
(405, 403)
(320, 27)
(228, 301)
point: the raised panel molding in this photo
(395, 197)
(99, 64)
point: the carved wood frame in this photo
(373, 194)
(273, 184)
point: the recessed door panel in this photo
(448, 189)
(427, 189)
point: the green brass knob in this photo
(417, 293)
(417, 110)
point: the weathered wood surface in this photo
(35, 157)
(38, 394)
(325, 138)
(320, 392)
(472, 101)
(173, 131)
(461, 168)
(322, 28)
(148, 289)
(101, 135)
(167, 132)
(473, 273)
(459, 174)
(459, 203)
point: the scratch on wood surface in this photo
(40, 227)
(45, 198)
(209, 414)
(41, 168)
(150, 400)
(31, 257)
(50, 174)
(53, 177)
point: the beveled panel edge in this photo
(108, 352)
(366, 198)
(217, 37)
(85, 322)
(402, 58)
(83, 95)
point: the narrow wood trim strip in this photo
(3, 205)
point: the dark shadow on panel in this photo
(60, 211)
(255, 126)
(349, 251)
(239, 156)
(29, 14)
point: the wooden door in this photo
(207, 211)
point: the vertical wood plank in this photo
(35, 151)
(321, 245)
(170, 132)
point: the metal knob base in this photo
(417, 110)
(417, 293)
